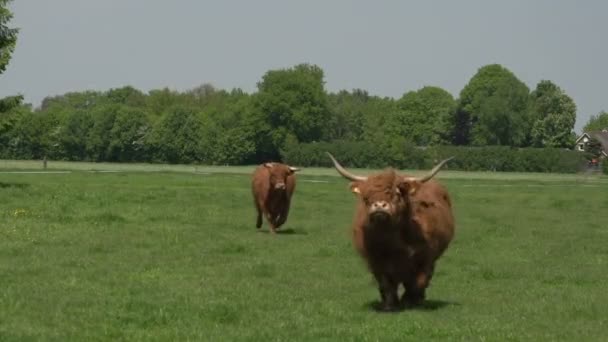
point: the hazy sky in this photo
(385, 47)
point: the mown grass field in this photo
(175, 256)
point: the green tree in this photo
(128, 134)
(232, 146)
(68, 102)
(347, 115)
(127, 96)
(554, 115)
(98, 140)
(35, 135)
(8, 35)
(357, 116)
(206, 95)
(8, 39)
(379, 116)
(425, 116)
(159, 101)
(292, 102)
(228, 135)
(176, 138)
(69, 120)
(73, 136)
(597, 122)
(8, 121)
(493, 109)
(10, 102)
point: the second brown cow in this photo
(402, 226)
(272, 186)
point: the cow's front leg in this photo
(415, 289)
(278, 221)
(388, 292)
(282, 217)
(271, 223)
(259, 210)
(258, 221)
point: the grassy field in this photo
(61, 166)
(175, 256)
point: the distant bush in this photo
(605, 166)
(405, 156)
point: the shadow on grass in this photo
(288, 231)
(427, 305)
(13, 185)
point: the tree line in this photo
(290, 110)
(291, 107)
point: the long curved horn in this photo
(433, 171)
(343, 171)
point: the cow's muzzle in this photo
(279, 186)
(380, 210)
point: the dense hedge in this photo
(502, 158)
(404, 156)
(605, 166)
(356, 154)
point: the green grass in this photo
(56, 166)
(175, 256)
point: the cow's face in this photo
(384, 195)
(278, 174)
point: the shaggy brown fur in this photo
(272, 186)
(401, 227)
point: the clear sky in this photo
(385, 47)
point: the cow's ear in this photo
(408, 187)
(268, 165)
(355, 187)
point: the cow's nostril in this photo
(380, 205)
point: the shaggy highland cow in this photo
(402, 225)
(272, 186)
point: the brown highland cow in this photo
(272, 186)
(402, 226)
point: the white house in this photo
(601, 136)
